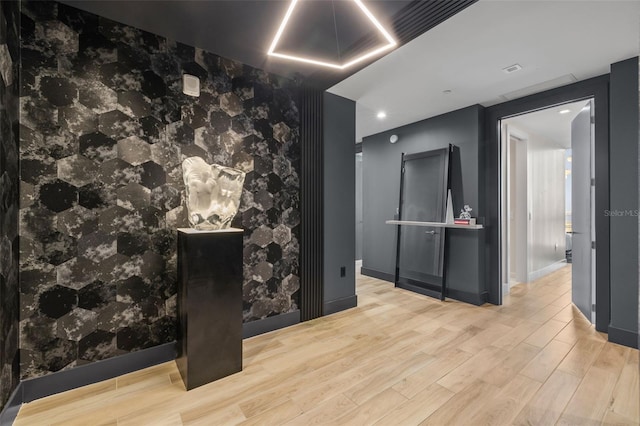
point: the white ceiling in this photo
(556, 42)
(549, 123)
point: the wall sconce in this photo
(393, 138)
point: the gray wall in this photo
(624, 200)
(381, 185)
(339, 205)
(359, 206)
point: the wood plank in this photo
(543, 364)
(417, 409)
(626, 395)
(546, 406)
(581, 356)
(373, 409)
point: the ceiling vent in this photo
(512, 68)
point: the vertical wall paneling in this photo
(311, 197)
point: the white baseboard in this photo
(547, 270)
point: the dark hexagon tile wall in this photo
(105, 127)
(9, 199)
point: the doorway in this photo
(547, 199)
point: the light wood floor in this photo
(397, 359)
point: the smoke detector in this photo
(512, 68)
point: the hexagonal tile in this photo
(132, 290)
(274, 183)
(166, 109)
(281, 235)
(75, 273)
(32, 170)
(113, 219)
(290, 284)
(243, 161)
(96, 294)
(36, 331)
(57, 301)
(262, 271)
(131, 244)
(152, 85)
(97, 47)
(119, 76)
(154, 131)
(58, 91)
(118, 125)
(282, 133)
(262, 236)
(38, 115)
(58, 195)
(274, 253)
(134, 150)
(77, 221)
(98, 147)
(97, 246)
(219, 121)
(153, 175)
(118, 172)
(96, 195)
(242, 125)
(165, 198)
(76, 324)
(231, 104)
(194, 116)
(133, 338)
(179, 132)
(242, 87)
(134, 197)
(291, 217)
(76, 170)
(97, 346)
(231, 141)
(98, 97)
(262, 165)
(58, 36)
(58, 354)
(263, 199)
(58, 248)
(62, 144)
(77, 119)
(166, 154)
(134, 104)
(152, 264)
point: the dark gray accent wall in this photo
(624, 200)
(9, 199)
(381, 185)
(339, 198)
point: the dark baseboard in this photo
(623, 337)
(11, 408)
(333, 306)
(83, 375)
(61, 381)
(377, 274)
(253, 328)
(467, 297)
(417, 289)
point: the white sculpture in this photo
(213, 193)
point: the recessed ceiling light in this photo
(565, 111)
(390, 41)
(382, 115)
(446, 92)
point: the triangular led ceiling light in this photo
(336, 65)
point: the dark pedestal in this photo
(209, 305)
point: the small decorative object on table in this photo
(465, 217)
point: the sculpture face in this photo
(213, 193)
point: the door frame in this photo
(596, 88)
